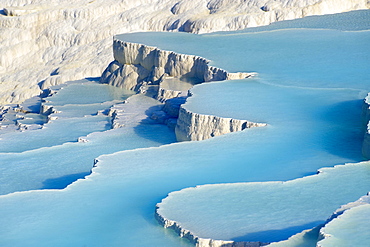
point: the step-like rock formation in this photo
(142, 68)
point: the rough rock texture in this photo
(195, 127)
(48, 42)
(202, 242)
(366, 123)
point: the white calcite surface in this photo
(148, 70)
(145, 69)
(193, 126)
(349, 225)
(232, 208)
(362, 201)
(171, 87)
(44, 43)
(199, 241)
(137, 65)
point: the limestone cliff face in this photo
(196, 127)
(366, 121)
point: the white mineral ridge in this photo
(44, 43)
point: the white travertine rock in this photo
(40, 39)
(161, 62)
(134, 66)
(137, 63)
(171, 87)
(195, 127)
(239, 75)
(364, 200)
(202, 242)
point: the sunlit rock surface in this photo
(44, 43)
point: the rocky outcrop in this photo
(195, 127)
(366, 126)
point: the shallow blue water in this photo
(309, 91)
(52, 157)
